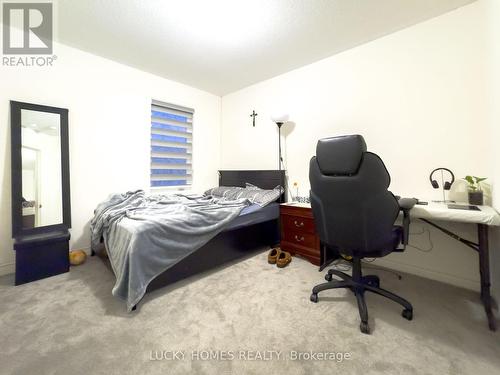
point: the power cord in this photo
(344, 265)
(341, 265)
(423, 231)
(428, 250)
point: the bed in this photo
(246, 234)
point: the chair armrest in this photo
(405, 205)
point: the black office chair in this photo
(355, 215)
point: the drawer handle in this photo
(299, 239)
(298, 225)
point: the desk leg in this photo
(484, 270)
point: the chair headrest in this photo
(340, 155)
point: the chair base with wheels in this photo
(360, 284)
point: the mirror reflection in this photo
(41, 169)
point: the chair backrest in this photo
(353, 210)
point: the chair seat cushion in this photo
(397, 238)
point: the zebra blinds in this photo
(171, 145)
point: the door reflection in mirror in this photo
(41, 169)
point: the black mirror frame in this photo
(16, 169)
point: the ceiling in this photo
(224, 45)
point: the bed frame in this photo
(229, 246)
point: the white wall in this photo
(419, 98)
(493, 11)
(494, 44)
(109, 125)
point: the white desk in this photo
(487, 216)
(440, 211)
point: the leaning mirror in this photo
(40, 181)
(41, 169)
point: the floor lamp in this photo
(279, 120)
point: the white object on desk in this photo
(440, 211)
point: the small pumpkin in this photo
(77, 257)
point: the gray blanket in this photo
(144, 236)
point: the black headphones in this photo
(447, 184)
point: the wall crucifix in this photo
(253, 115)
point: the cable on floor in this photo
(341, 265)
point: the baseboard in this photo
(7, 268)
(430, 274)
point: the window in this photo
(171, 145)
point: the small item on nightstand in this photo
(296, 187)
(77, 257)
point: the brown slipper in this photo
(284, 258)
(273, 255)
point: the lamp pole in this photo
(280, 159)
(279, 120)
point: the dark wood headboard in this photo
(265, 179)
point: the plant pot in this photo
(476, 198)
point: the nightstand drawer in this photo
(297, 223)
(300, 238)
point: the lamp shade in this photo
(280, 118)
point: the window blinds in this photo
(171, 145)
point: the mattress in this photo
(255, 214)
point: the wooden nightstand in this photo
(298, 233)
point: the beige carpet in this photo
(70, 324)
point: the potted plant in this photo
(475, 191)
